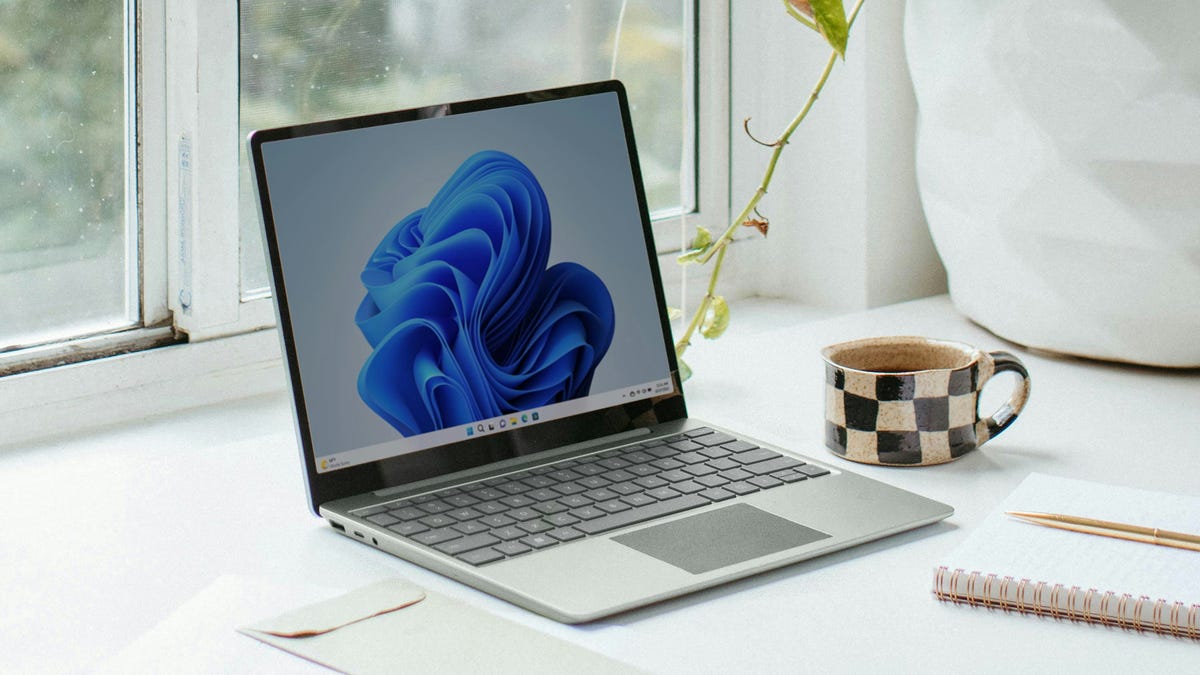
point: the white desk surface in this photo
(104, 536)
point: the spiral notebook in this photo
(1015, 566)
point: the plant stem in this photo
(721, 244)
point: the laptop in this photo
(482, 369)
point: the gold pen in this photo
(1105, 528)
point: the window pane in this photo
(65, 250)
(331, 59)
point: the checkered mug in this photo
(913, 401)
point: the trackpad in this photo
(714, 539)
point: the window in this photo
(69, 252)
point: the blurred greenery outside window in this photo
(68, 252)
(321, 59)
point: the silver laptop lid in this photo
(460, 284)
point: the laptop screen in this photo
(462, 272)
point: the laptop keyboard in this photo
(530, 510)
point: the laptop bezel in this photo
(470, 453)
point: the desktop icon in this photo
(479, 428)
(524, 419)
(535, 417)
(491, 427)
(470, 431)
(503, 423)
(512, 421)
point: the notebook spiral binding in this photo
(1073, 603)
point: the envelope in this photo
(394, 626)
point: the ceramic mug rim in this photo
(969, 354)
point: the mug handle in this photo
(1004, 417)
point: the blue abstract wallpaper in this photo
(465, 319)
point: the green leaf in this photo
(699, 245)
(716, 320)
(685, 372)
(830, 17)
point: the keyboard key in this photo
(438, 520)
(464, 544)
(715, 494)
(513, 488)
(464, 514)
(516, 501)
(575, 501)
(542, 495)
(471, 527)
(535, 526)
(382, 519)
(369, 511)
(588, 513)
(593, 482)
(739, 446)
(687, 487)
(650, 482)
(434, 537)
(408, 529)
(666, 464)
(765, 482)
(461, 501)
(634, 516)
(538, 482)
(601, 495)
(613, 463)
(740, 488)
(773, 465)
(675, 476)
(661, 451)
(486, 494)
(437, 506)
(753, 456)
(638, 457)
(698, 432)
(812, 471)
(539, 541)
(561, 519)
(715, 438)
(789, 476)
(693, 457)
(568, 488)
(639, 499)
(685, 446)
(523, 514)
(491, 508)
(564, 475)
(512, 548)
(715, 453)
(642, 470)
(625, 488)
(589, 469)
(566, 534)
(549, 508)
(712, 481)
(663, 493)
(723, 464)
(737, 474)
(408, 513)
(700, 470)
(509, 533)
(481, 556)
(614, 506)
